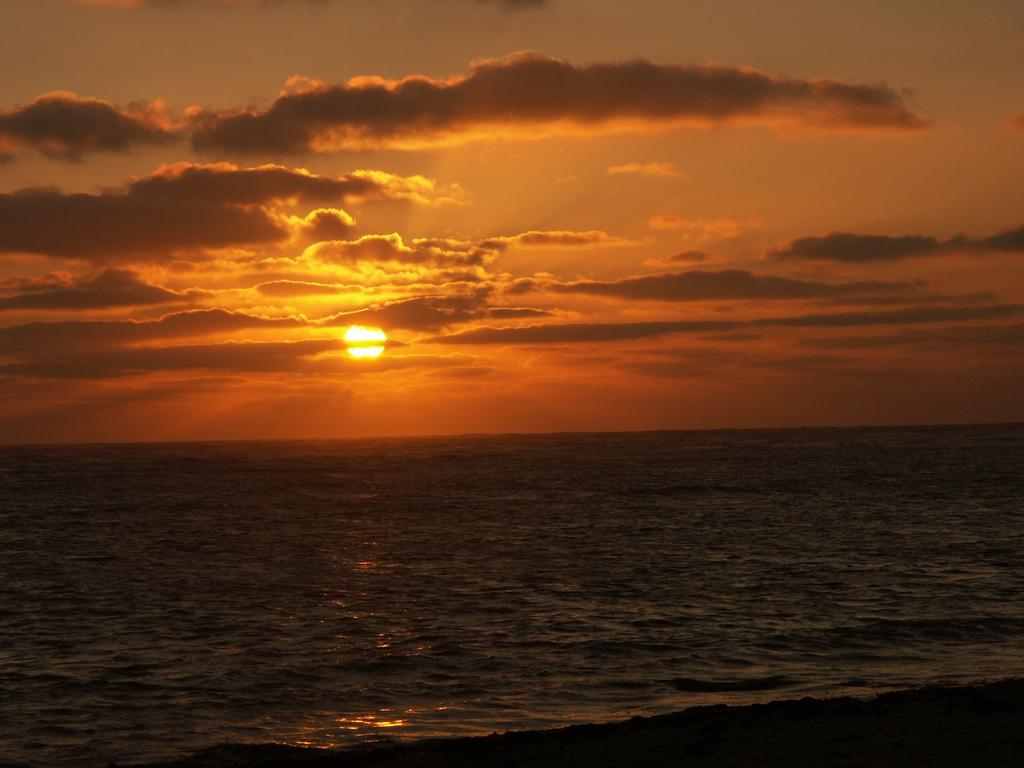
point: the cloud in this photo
(728, 284)
(683, 363)
(853, 248)
(530, 93)
(110, 288)
(602, 332)
(1003, 334)
(292, 288)
(561, 239)
(392, 248)
(925, 314)
(107, 348)
(692, 256)
(1009, 240)
(423, 313)
(227, 183)
(843, 246)
(582, 332)
(246, 356)
(110, 226)
(65, 126)
(103, 349)
(507, 313)
(665, 222)
(444, 252)
(326, 224)
(189, 207)
(1016, 123)
(646, 169)
(98, 334)
(705, 228)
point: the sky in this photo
(564, 215)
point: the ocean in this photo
(157, 599)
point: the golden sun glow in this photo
(365, 342)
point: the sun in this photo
(365, 342)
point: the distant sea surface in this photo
(157, 599)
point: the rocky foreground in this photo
(978, 726)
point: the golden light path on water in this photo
(365, 342)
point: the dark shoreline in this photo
(973, 726)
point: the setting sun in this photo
(365, 342)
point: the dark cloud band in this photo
(187, 207)
(66, 126)
(726, 284)
(531, 92)
(523, 93)
(603, 332)
(110, 288)
(75, 335)
(854, 248)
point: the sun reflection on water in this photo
(383, 719)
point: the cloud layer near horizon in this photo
(855, 248)
(726, 284)
(564, 333)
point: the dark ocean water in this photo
(158, 599)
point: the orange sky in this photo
(565, 215)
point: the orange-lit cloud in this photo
(265, 357)
(292, 288)
(111, 226)
(1016, 123)
(596, 332)
(66, 126)
(722, 227)
(225, 182)
(854, 248)
(391, 248)
(280, 316)
(561, 239)
(646, 169)
(449, 252)
(691, 256)
(89, 350)
(44, 338)
(108, 289)
(424, 313)
(189, 207)
(528, 93)
(727, 284)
